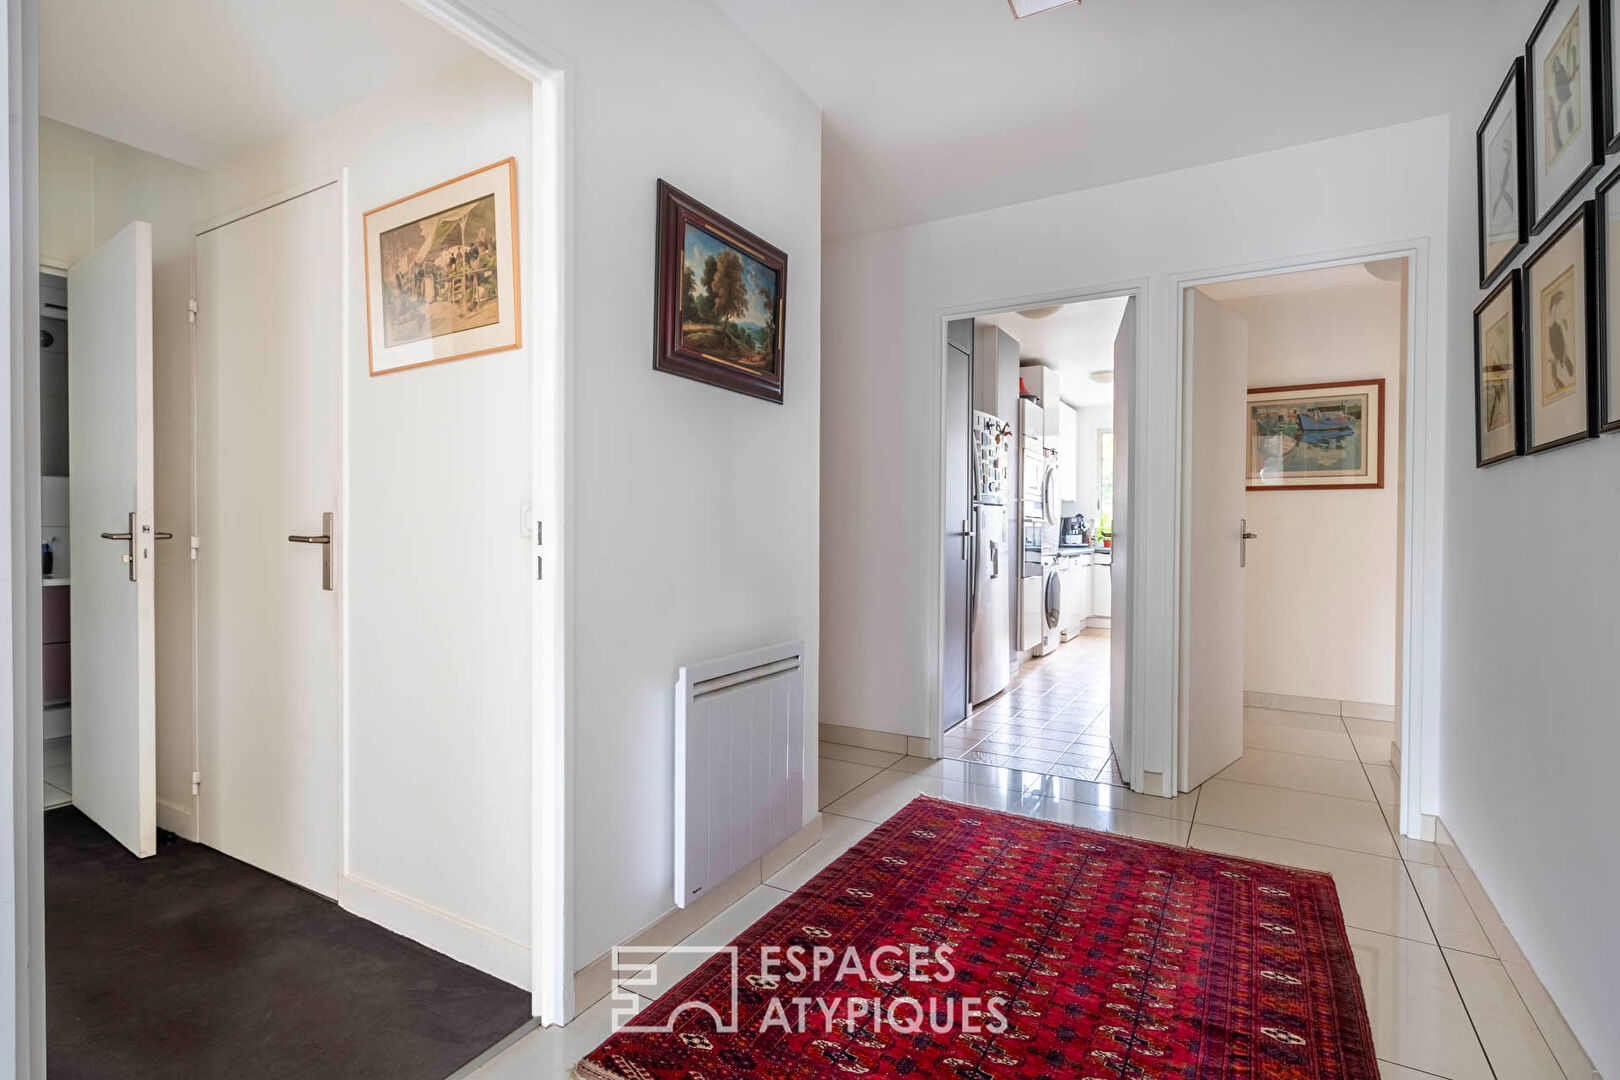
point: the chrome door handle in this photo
(129, 538)
(325, 541)
(1243, 557)
(163, 536)
(115, 536)
(995, 560)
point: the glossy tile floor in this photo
(1052, 719)
(1448, 993)
(58, 772)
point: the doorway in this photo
(1292, 592)
(1029, 554)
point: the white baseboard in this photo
(1098, 622)
(177, 819)
(916, 747)
(440, 931)
(1256, 699)
(1366, 710)
(865, 738)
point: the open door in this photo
(1119, 626)
(1218, 360)
(112, 534)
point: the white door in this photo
(268, 340)
(1119, 626)
(1218, 359)
(111, 536)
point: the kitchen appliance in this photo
(1076, 532)
(989, 644)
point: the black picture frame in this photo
(1584, 219)
(1611, 121)
(1597, 109)
(1608, 393)
(1513, 84)
(1514, 283)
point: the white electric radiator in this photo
(739, 763)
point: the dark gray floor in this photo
(191, 965)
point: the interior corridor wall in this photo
(886, 293)
(1320, 590)
(1532, 615)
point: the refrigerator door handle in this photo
(995, 560)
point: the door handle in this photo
(325, 541)
(995, 560)
(1243, 557)
(967, 538)
(129, 538)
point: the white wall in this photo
(1329, 555)
(1532, 615)
(887, 291)
(1090, 421)
(66, 205)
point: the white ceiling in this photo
(202, 81)
(1076, 341)
(941, 107)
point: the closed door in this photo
(958, 531)
(114, 659)
(268, 341)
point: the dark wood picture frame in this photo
(676, 211)
(1513, 84)
(1515, 282)
(1596, 106)
(1585, 219)
(1608, 395)
(1383, 410)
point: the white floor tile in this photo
(1382, 778)
(55, 796)
(1373, 749)
(838, 835)
(1293, 740)
(1295, 815)
(1449, 913)
(1302, 720)
(1512, 1042)
(1300, 772)
(881, 759)
(1418, 1019)
(663, 973)
(841, 777)
(1161, 830)
(551, 1052)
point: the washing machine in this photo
(1052, 608)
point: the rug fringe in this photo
(589, 1070)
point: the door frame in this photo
(933, 745)
(1417, 699)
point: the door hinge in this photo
(196, 545)
(196, 782)
(539, 568)
(191, 311)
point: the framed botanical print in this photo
(1498, 371)
(442, 272)
(1608, 275)
(1610, 87)
(721, 300)
(1565, 108)
(1561, 332)
(1504, 216)
(1316, 437)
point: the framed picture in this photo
(1608, 277)
(1498, 373)
(1504, 216)
(1565, 107)
(1561, 332)
(442, 272)
(721, 301)
(1610, 84)
(1323, 436)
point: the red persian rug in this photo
(966, 944)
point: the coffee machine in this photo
(1076, 530)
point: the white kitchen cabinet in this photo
(1102, 588)
(1068, 447)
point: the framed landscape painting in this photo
(1562, 62)
(721, 300)
(1504, 216)
(1323, 436)
(1561, 331)
(442, 272)
(1498, 374)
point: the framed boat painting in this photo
(1319, 437)
(721, 300)
(1608, 223)
(1561, 331)
(1498, 374)
(1504, 216)
(1565, 106)
(442, 272)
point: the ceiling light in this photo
(1022, 9)
(1041, 312)
(1106, 375)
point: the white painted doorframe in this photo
(1423, 461)
(935, 617)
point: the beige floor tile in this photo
(1512, 1042)
(878, 798)
(664, 972)
(552, 1051)
(1111, 820)
(841, 777)
(1382, 778)
(1295, 815)
(1374, 891)
(1449, 912)
(1300, 772)
(882, 759)
(838, 835)
(1416, 851)
(1418, 1019)
(1293, 740)
(1388, 1070)
(1301, 720)
(1373, 749)
(1551, 1023)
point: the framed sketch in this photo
(1561, 332)
(1498, 374)
(1610, 84)
(1318, 437)
(442, 272)
(1564, 105)
(1504, 216)
(721, 300)
(1608, 276)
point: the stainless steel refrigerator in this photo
(994, 562)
